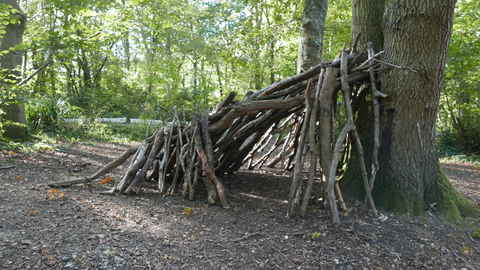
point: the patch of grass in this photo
(96, 131)
(86, 132)
(31, 144)
(463, 158)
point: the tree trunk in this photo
(367, 18)
(16, 122)
(311, 34)
(417, 36)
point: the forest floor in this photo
(78, 228)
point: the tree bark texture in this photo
(311, 34)
(15, 126)
(367, 18)
(417, 35)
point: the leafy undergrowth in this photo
(78, 228)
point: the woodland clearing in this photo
(78, 228)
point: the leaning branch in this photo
(47, 62)
(108, 168)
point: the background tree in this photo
(310, 45)
(15, 123)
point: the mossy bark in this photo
(417, 36)
(15, 120)
(311, 34)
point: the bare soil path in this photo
(78, 228)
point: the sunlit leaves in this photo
(316, 235)
(55, 194)
(187, 211)
(107, 180)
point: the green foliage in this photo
(459, 115)
(48, 113)
(31, 144)
(337, 27)
(138, 58)
(96, 131)
(474, 160)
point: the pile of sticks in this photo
(287, 121)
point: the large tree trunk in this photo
(417, 35)
(311, 34)
(15, 126)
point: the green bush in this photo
(448, 143)
(48, 113)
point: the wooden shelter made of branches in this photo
(289, 122)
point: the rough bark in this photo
(367, 19)
(417, 35)
(16, 121)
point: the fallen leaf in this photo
(32, 213)
(316, 235)
(119, 218)
(62, 195)
(107, 180)
(187, 211)
(466, 250)
(17, 177)
(51, 197)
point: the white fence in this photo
(120, 120)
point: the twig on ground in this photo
(245, 237)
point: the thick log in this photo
(300, 157)
(325, 137)
(227, 101)
(253, 106)
(289, 81)
(136, 182)
(211, 191)
(313, 147)
(163, 163)
(207, 167)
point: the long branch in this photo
(108, 168)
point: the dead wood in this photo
(300, 158)
(291, 122)
(108, 168)
(313, 147)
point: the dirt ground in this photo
(78, 228)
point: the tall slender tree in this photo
(311, 34)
